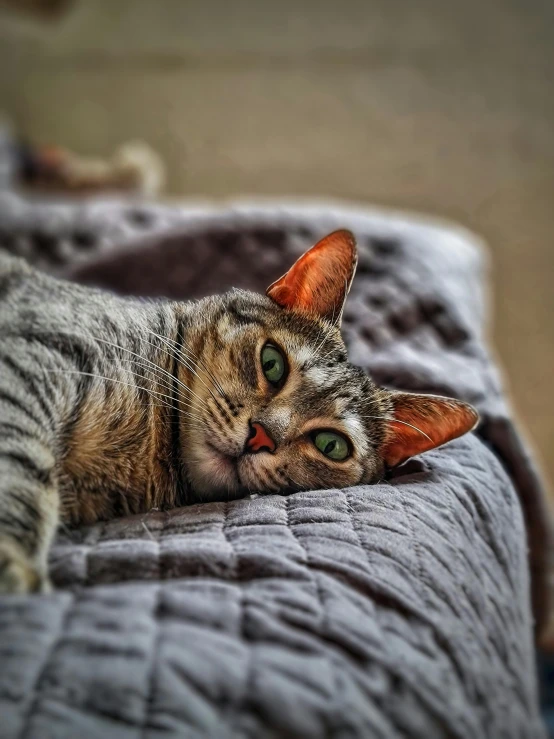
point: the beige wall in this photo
(443, 107)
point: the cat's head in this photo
(275, 404)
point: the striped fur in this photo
(111, 406)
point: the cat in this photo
(112, 406)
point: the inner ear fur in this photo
(419, 423)
(319, 281)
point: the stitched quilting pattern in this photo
(394, 610)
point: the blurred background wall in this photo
(434, 106)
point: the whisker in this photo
(148, 364)
(185, 414)
(186, 346)
(193, 422)
(151, 393)
(185, 361)
(139, 363)
(320, 335)
(326, 334)
(191, 426)
(191, 357)
(145, 527)
(166, 342)
(327, 355)
(404, 423)
(161, 380)
(329, 331)
(147, 361)
(346, 292)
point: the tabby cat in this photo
(111, 406)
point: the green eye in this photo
(274, 364)
(332, 445)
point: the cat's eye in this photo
(332, 445)
(274, 365)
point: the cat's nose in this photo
(259, 440)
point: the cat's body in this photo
(111, 406)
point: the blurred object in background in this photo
(44, 8)
(133, 168)
(10, 162)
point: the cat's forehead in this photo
(321, 373)
(315, 351)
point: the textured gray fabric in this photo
(400, 609)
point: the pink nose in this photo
(259, 439)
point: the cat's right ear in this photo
(320, 280)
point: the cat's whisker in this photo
(189, 365)
(182, 413)
(193, 356)
(161, 380)
(329, 331)
(326, 356)
(184, 360)
(192, 421)
(148, 362)
(404, 423)
(133, 385)
(197, 425)
(152, 393)
(326, 333)
(171, 349)
(179, 351)
(346, 293)
(158, 379)
(320, 336)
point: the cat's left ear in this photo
(419, 423)
(319, 281)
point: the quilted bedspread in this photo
(401, 609)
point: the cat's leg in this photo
(29, 500)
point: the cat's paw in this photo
(17, 573)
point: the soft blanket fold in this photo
(400, 609)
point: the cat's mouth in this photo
(235, 473)
(225, 465)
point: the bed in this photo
(403, 609)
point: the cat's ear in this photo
(319, 281)
(422, 422)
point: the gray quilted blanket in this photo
(395, 610)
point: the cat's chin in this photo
(223, 464)
(215, 474)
